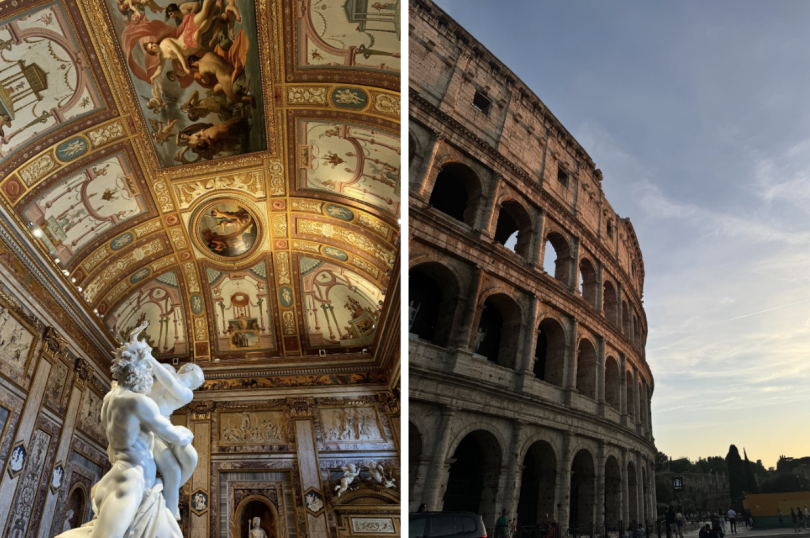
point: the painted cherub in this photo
(135, 8)
(161, 133)
(350, 472)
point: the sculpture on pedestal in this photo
(256, 531)
(129, 500)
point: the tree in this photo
(785, 483)
(751, 485)
(736, 476)
(661, 462)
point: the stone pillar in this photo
(539, 239)
(200, 424)
(84, 373)
(564, 482)
(525, 362)
(642, 509)
(436, 480)
(309, 471)
(574, 284)
(514, 472)
(421, 471)
(600, 375)
(570, 373)
(636, 402)
(490, 215)
(625, 489)
(600, 484)
(25, 428)
(465, 331)
(419, 180)
(623, 390)
(619, 313)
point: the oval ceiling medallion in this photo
(227, 229)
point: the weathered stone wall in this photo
(511, 159)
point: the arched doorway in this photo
(632, 492)
(583, 491)
(559, 255)
(76, 503)
(549, 353)
(612, 388)
(537, 485)
(432, 302)
(613, 492)
(498, 331)
(514, 228)
(256, 506)
(472, 483)
(456, 192)
(586, 369)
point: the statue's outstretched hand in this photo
(186, 437)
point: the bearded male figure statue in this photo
(128, 500)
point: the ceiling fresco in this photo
(228, 170)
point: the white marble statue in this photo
(66, 522)
(479, 338)
(176, 463)
(412, 311)
(350, 473)
(128, 501)
(377, 472)
(256, 531)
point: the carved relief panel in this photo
(253, 428)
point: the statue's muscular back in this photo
(129, 438)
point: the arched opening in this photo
(514, 228)
(559, 255)
(613, 492)
(498, 331)
(537, 485)
(587, 281)
(586, 369)
(472, 483)
(253, 507)
(456, 192)
(612, 382)
(609, 303)
(432, 302)
(414, 455)
(632, 488)
(583, 491)
(626, 321)
(76, 507)
(549, 353)
(630, 399)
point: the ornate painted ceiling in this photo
(228, 170)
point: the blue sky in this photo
(698, 114)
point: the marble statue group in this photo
(130, 501)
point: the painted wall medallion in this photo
(199, 501)
(335, 253)
(351, 98)
(339, 212)
(196, 304)
(227, 229)
(17, 460)
(285, 296)
(314, 501)
(121, 241)
(58, 477)
(140, 275)
(71, 149)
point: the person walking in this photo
(795, 520)
(800, 517)
(672, 528)
(502, 525)
(679, 521)
(779, 514)
(732, 520)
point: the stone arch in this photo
(629, 389)
(632, 488)
(609, 303)
(514, 218)
(256, 506)
(562, 256)
(612, 382)
(582, 498)
(498, 330)
(588, 282)
(472, 483)
(549, 353)
(613, 491)
(457, 191)
(538, 484)
(433, 300)
(586, 368)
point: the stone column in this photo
(600, 484)
(489, 217)
(625, 489)
(642, 509)
(436, 480)
(623, 390)
(25, 428)
(514, 472)
(636, 402)
(309, 470)
(619, 313)
(200, 424)
(419, 179)
(465, 331)
(564, 482)
(574, 284)
(421, 471)
(600, 375)
(570, 373)
(84, 373)
(525, 362)
(539, 240)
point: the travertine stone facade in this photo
(571, 420)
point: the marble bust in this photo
(129, 501)
(255, 530)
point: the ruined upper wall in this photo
(450, 70)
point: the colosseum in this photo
(529, 386)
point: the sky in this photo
(698, 115)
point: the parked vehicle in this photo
(446, 525)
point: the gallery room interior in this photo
(200, 268)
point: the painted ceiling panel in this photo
(197, 172)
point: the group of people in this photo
(800, 518)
